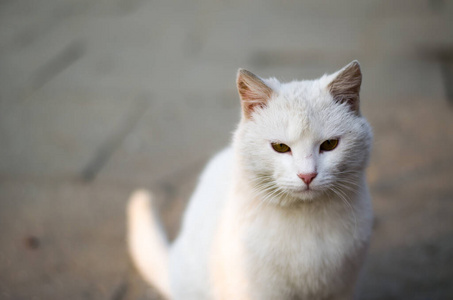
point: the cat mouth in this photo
(305, 189)
(304, 192)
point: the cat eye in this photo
(329, 145)
(280, 148)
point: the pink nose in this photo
(307, 178)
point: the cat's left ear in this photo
(345, 87)
(253, 92)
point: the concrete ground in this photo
(100, 97)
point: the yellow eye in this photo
(329, 145)
(281, 148)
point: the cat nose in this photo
(307, 178)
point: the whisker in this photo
(343, 197)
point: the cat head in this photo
(303, 139)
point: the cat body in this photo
(285, 212)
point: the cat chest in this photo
(298, 251)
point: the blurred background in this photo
(100, 97)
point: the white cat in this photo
(284, 213)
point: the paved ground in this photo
(98, 98)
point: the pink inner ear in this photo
(252, 91)
(251, 107)
(345, 87)
(251, 101)
(352, 101)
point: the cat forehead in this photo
(301, 99)
(301, 108)
(305, 90)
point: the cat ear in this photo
(253, 92)
(345, 87)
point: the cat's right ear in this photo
(254, 93)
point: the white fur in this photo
(252, 230)
(145, 237)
